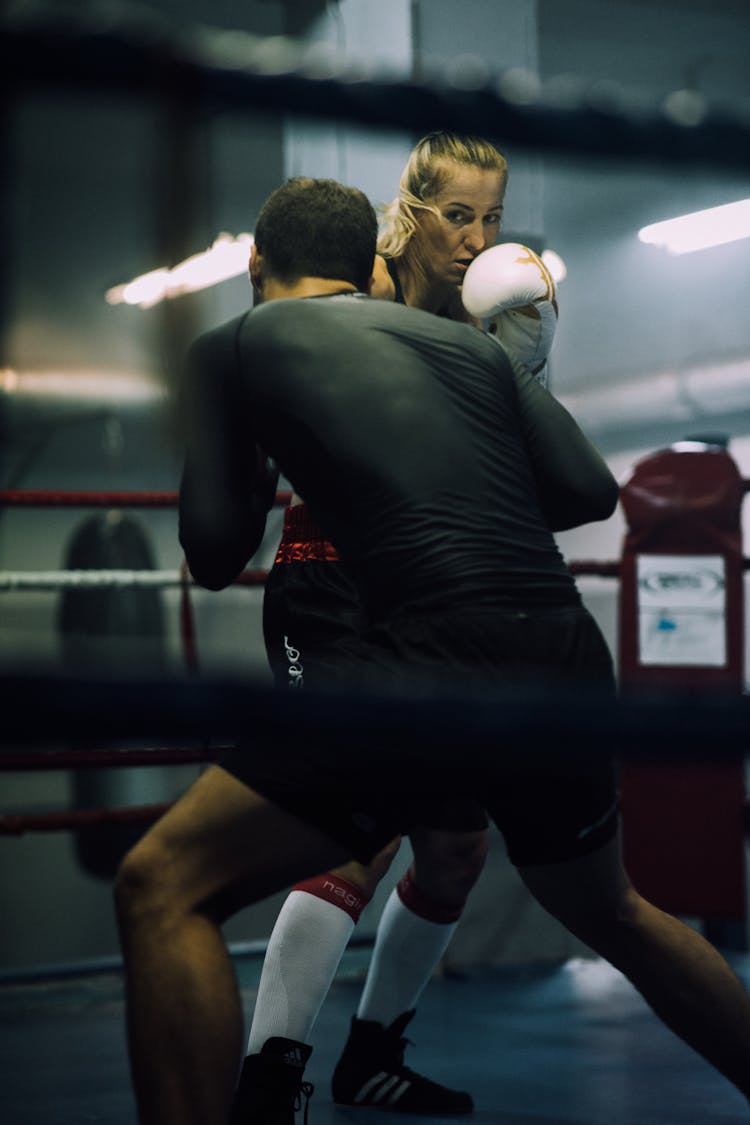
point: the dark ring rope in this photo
(683, 727)
(210, 70)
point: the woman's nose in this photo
(474, 237)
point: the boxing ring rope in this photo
(18, 824)
(81, 759)
(55, 580)
(680, 727)
(75, 819)
(218, 71)
(88, 498)
(46, 580)
(676, 724)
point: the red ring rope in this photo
(75, 819)
(84, 759)
(595, 567)
(187, 621)
(19, 823)
(56, 498)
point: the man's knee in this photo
(608, 925)
(140, 886)
(592, 896)
(628, 912)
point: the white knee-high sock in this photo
(412, 936)
(304, 950)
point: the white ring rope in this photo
(89, 579)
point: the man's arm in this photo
(228, 485)
(575, 484)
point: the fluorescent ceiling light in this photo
(226, 257)
(700, 229)
(93, 386)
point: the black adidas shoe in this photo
(271, 1089)
(371, 1072)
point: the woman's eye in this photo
(493, 220)
(456, 216)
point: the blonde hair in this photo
(422, 179)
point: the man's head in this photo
(318, 229)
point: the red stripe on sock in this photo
(332, 888)
(424, 907)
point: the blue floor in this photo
(535, 1046)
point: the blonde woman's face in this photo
(470, 207)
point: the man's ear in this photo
(255, 269)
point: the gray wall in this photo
(648, 347)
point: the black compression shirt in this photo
(434, 467)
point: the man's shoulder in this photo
(337, 312)
(215, 340)
(333, 317)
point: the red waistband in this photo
(302, 540)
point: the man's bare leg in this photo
(220, 847)
(680, 975)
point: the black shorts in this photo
(312, 612)
(547, 810)
(309, 607)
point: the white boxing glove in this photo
(511, 287)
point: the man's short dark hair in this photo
(317, 228)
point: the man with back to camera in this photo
(446, 213)
(437, 471)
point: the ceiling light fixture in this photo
(700, 229)
(227, 257)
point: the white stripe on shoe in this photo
(399, 1092)
(380, 1089)
(364, 1091)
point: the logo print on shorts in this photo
(296, 671)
